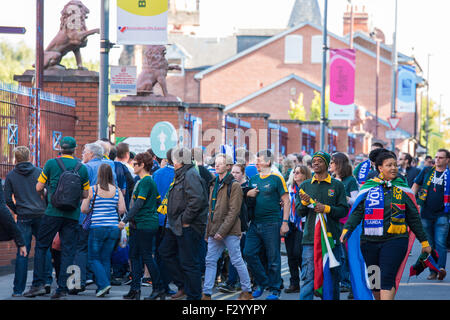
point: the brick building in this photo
(264, 77)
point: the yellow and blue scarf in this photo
(423, 192)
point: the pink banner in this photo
(342, 84)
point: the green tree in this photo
(436, 138)
(316, 104)
(297, 109)
(70, 62)
(14, 59)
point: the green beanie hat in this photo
(324, 156)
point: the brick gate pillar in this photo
(80, 85)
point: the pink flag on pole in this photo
(342, 84)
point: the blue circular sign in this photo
(162, 138)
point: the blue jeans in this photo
(215, 249)
(68, 234)
(141, 251)
(232, 272)
(437, 231)
(182, 257)
(267, 236)
(29, 227)
(100, 247)
(307, 287)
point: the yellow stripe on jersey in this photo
(42, 178)
(282, 180)
(141, 197)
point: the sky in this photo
(419, 24)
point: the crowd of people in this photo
(140, 220)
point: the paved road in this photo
(417, 289)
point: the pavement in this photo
(418, 288)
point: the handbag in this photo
(87, 221)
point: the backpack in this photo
(243, 215)
(67, 195)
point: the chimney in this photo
(360, 20)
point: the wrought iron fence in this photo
(33, 118)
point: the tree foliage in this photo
(297, 109)
(436, 138)
(14, 59)
(70, 62)
(299, 112)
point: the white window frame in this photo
(290, 42)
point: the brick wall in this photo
(80, 85)
(276, 102)
(259, 126)
(137, 118)
(342, 139)
(294, 142)
(212, 118)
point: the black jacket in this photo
(8, 227)
(187, 201)
(410, 174)
(21, 182)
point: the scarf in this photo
(293, 217)
(363, 171)
(162, 209)
(217, 185)
(374, 207)
(423, 192)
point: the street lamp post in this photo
(324, 79)
(427, 121)
(394, 73)
(104, 71)
(377, 77)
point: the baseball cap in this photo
(68, 143)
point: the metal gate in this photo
(33, 118)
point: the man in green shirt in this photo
(265, 231)
(56, 220)
(329, 196)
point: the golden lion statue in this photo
(154, 70)
(72, 35)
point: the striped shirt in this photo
(105, 211)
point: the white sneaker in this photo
(103, 292)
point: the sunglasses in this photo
(136, 164)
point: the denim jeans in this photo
(141, 251)
(29, 227)
(215, 249)
(182, 257)
(68, 234)
(81, 255)
(437, 231)
(100, 247)
(307, 287)
(267, 236)
(232, 272)
(293, 243)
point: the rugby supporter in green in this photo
(52, 170)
